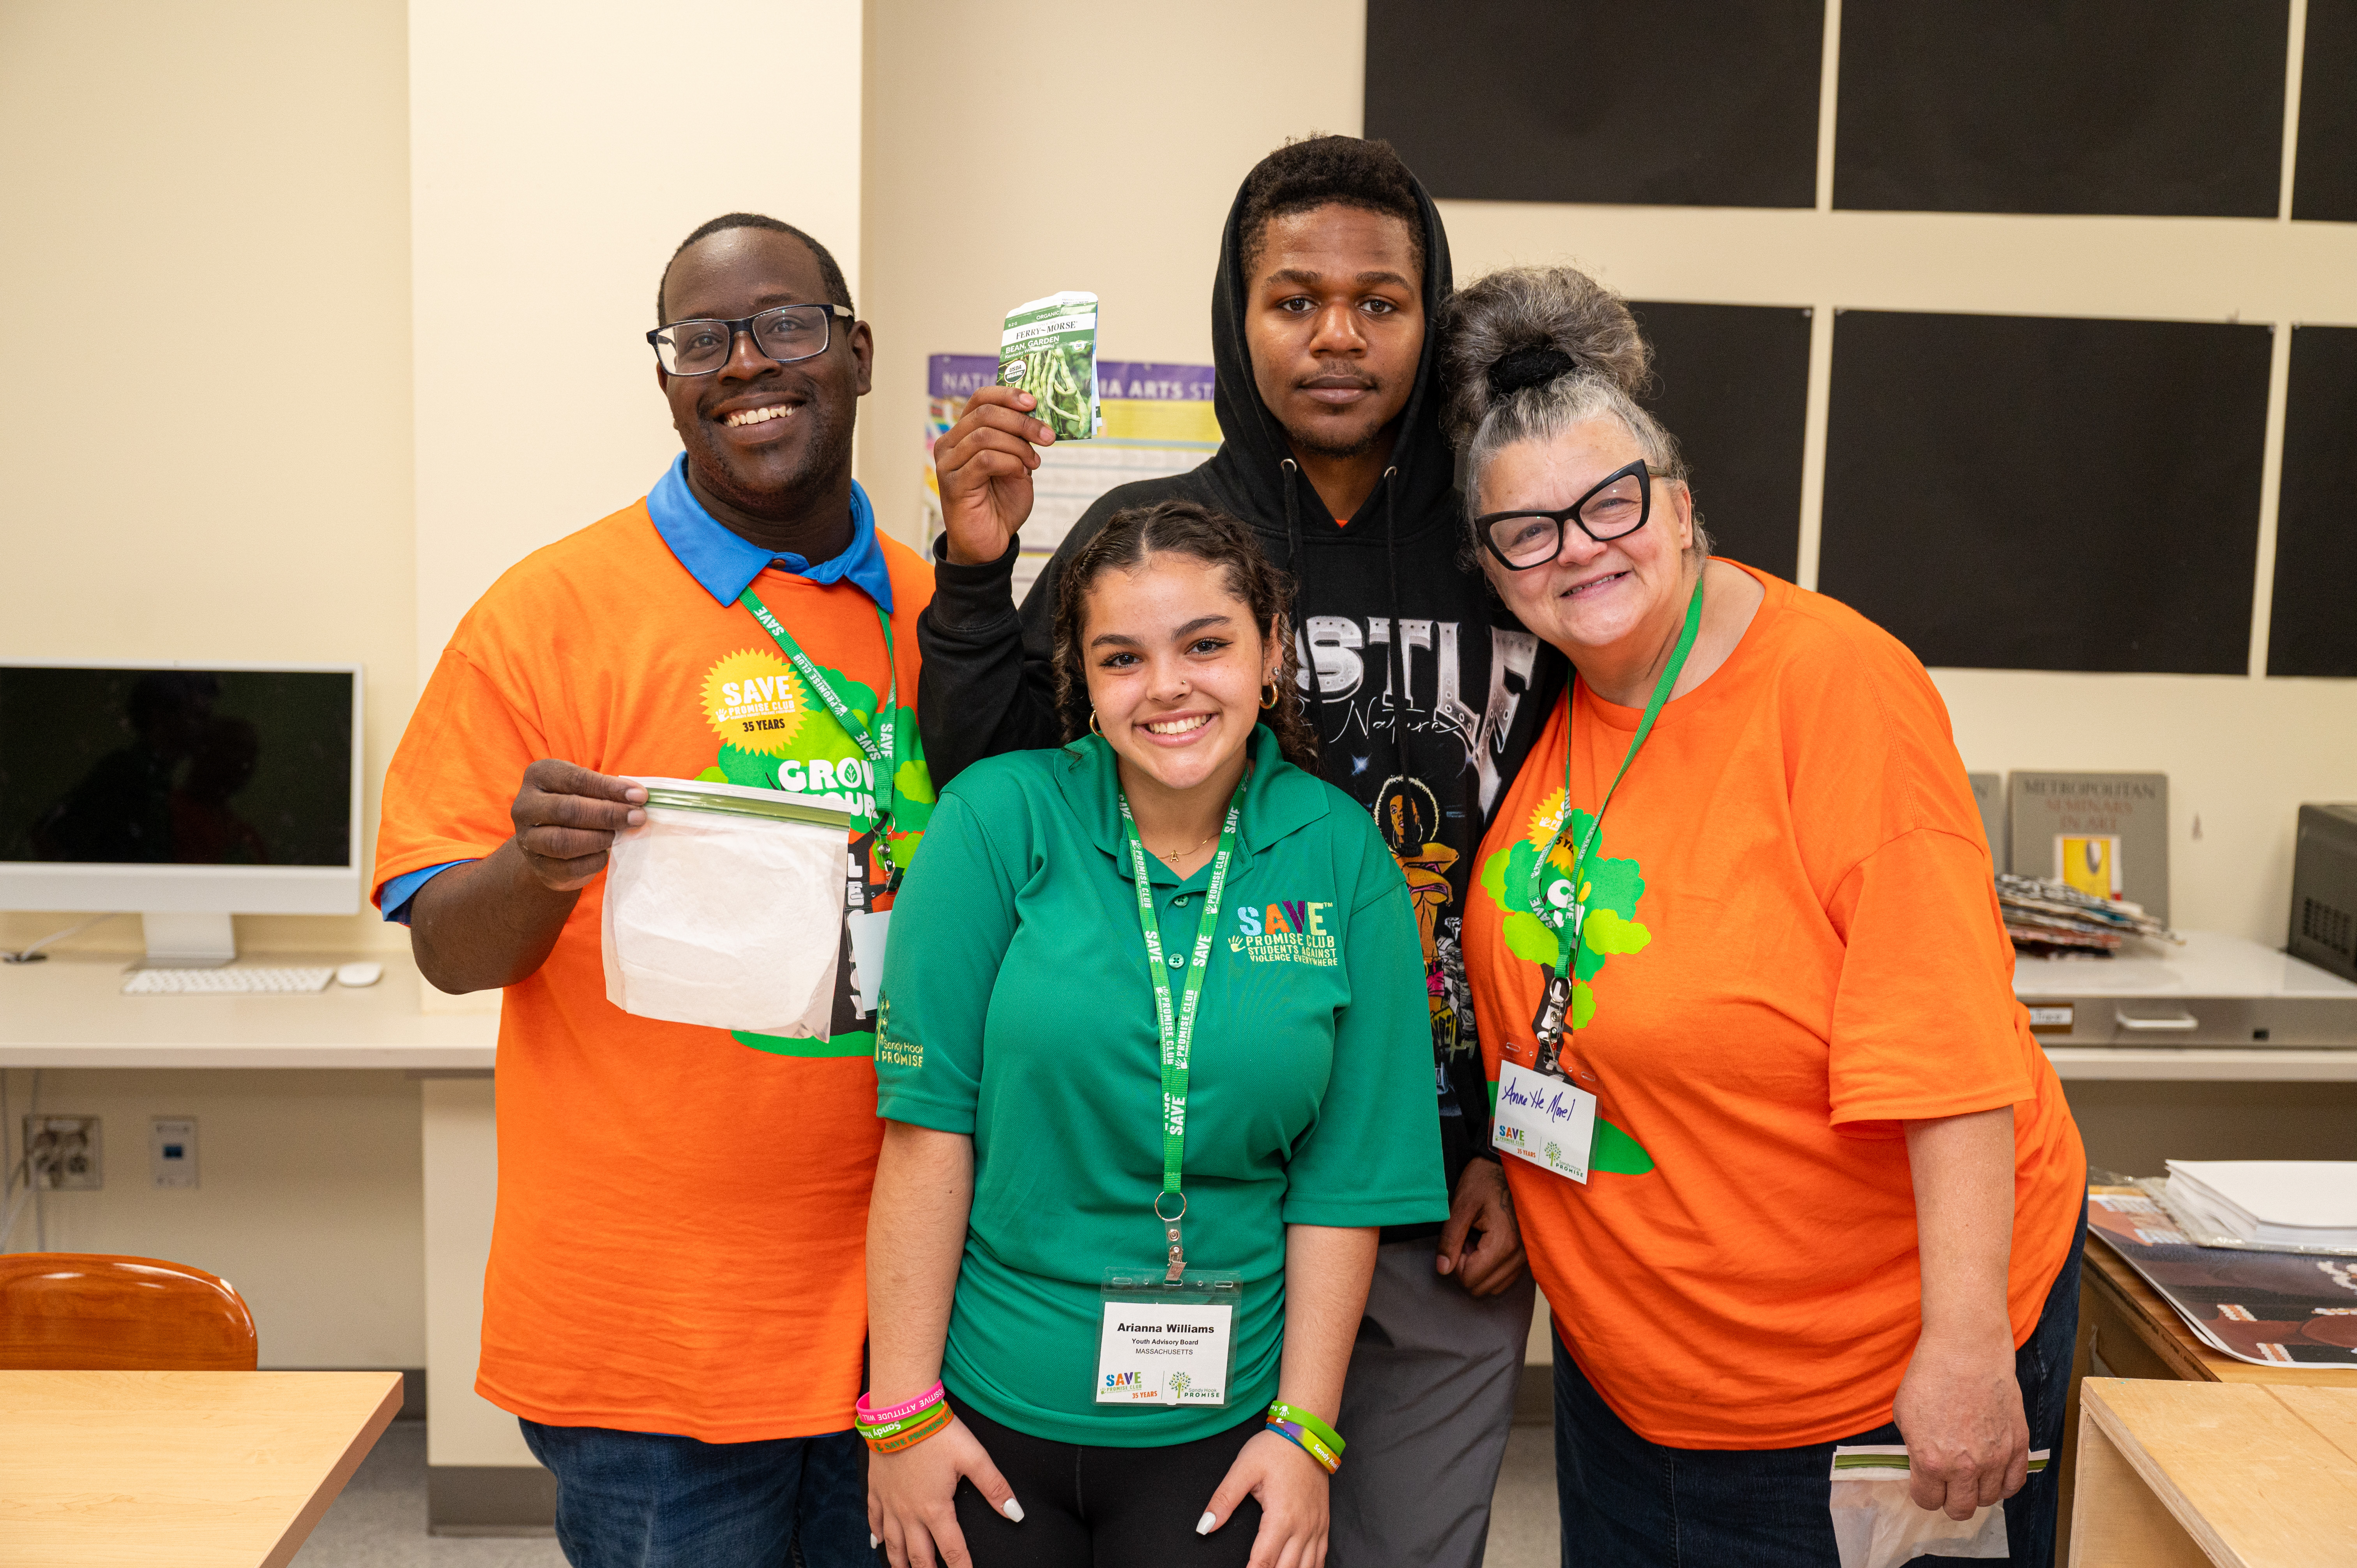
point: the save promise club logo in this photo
(1298, 931)
(755, 702)
(1607, 910)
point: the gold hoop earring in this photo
(1093, 729)
(1270, 700)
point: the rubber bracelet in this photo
(1280, 1410)
(875, 1430)
(1310, 1443)
(868, 1413)
(931, 1424)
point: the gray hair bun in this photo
(1528, 326)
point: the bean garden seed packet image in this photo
(1049, 349)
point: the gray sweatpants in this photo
(1425, 1414)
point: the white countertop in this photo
(71, 1011)
(2211, 964)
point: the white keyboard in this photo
(235, 980)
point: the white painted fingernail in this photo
(1012, 1510)
(873, 1543)
(1205, 1525)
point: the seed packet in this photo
(1049, 349)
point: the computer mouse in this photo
(360, 974)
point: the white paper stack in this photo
(2298, 1203)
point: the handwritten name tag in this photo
(1544, 1121)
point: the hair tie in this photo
(1532, 365)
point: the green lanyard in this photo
(1177, 1025)
(879, 754)
(1568, 937)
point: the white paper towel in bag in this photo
(729, 921)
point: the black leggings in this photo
(1094, 1507)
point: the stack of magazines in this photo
(2053, 919)
(2309, 1204)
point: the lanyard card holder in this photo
(1167, 1344)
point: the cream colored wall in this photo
(307, 1199)
(560, 150)
(205, 291)
(1173, 104)
(206, 430)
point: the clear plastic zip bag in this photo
(1878, 1525)
(725, 908)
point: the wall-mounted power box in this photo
(172, 1150)
(66, 1152)
(2324, 890)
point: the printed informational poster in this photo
(2273, 1309)
(1157, 420)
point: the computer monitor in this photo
(184, 794)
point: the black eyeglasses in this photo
(788, 333)
(1618, 504)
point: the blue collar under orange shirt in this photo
(724, 565)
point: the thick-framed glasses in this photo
(1618, 504)
(788, 333)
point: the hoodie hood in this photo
(1248, 473)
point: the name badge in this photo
(1167, 1346)
(869, 931)
(1543, 1119)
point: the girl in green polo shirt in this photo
(1151, 1008)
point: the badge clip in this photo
(1178, 1260)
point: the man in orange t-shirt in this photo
(675, 1301)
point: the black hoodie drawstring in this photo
(1399, 633)
(1294, 562)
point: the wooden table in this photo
(2125, 1325)
(189, 1468)
(2182, 1474)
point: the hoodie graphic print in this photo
(1426, 691)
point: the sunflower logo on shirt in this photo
(1605, 912)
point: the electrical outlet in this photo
(66, 1152)
(172, 1150)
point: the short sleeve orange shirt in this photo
(683, 1211)
(1790, 944)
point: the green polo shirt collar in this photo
(1278, 801)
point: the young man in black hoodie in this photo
(1427, 695)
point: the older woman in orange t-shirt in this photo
(1793, 1172)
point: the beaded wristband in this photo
(867, 1414)
(890, 1437)
(1309, 1445)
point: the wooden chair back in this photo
(87, 1312)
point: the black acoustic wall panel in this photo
(2313, 627)
(2045, 493)
(1692, 103)
(2169, 109)
(2324, 164)
(1732, 384)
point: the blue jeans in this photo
(1627, 1503)
(646, 1500)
